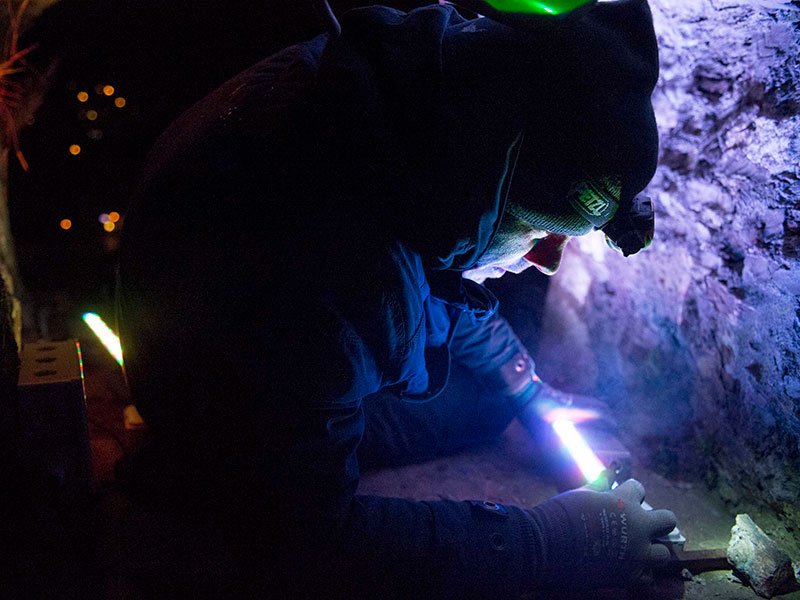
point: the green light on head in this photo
(537, 7)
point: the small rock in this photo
(773, 222)
(759, 560)
(710, 260)
(701, 231)
(757, 269)
(686, 575)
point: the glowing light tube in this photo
(581, 453)
(542, 7)
(105, 335)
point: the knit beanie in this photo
(591, 144)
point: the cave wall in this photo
(695, 341)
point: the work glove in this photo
(603, 539)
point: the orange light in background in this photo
(113, 216)
(74, 149)
(108, 90)
(65, 224)
(120, 102)
(91, 115)
(83, 96)
(109, 226)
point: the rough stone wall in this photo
(696, 340)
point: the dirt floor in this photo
(502, 472)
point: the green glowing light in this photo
(80, 357)
(539, 7)
(105, 335)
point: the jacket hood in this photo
(441, 107)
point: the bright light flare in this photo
(105, 335)
(550, 412)
(579, 450)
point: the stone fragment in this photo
(710, 260)
(758, 560)
(773, 222)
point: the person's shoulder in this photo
(375, 19)
(289, 63)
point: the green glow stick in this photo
(104, 333)
(539, 7)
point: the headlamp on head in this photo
(634, 229)
(525, 15)
(539, 7)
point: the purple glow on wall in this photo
(696, 340)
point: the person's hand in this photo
(609, 537)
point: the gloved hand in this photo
(603, 539)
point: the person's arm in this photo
(393, 547)
(464, 415)
(493, 352)
(492, 380)
(484, 392)
(364, 546)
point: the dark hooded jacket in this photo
(295, 246)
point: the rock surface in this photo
(766, 567)
(695, 341)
